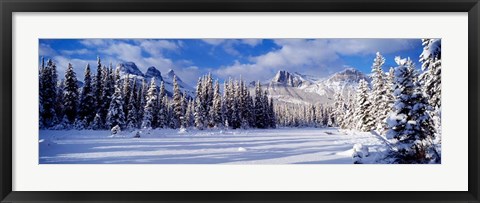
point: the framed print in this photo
(239, 101)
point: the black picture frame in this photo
(7, 7)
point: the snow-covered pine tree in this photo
(117, 78)
(80, 124)
(199, 107)
(87, 101)
(40, 95)
(126, 93)
(183, 117)
(363, 117)
(229, 98)
(378, 97)
(410, 126)
(97, 123)
(271, 112)
(190, 119)
(349, 112)
(266, 107)
(134, 94)
(339, 110)
(177, 105)
(54, 83)
(431, 59)
(249, 108)
(235, 121)
(116, 115)
(132, 117)
(242, 101)
(208, 99)
(70, 96)
(246, 112)
(216, 110)
(258, 108)
(141, 102)
(150, 106)
(108, 88)
(47, 95)
(225, 101)
(98, 86)
(168, 111)
(390, 85)
(162, 112)
(59, 107)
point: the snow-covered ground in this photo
(268, 146)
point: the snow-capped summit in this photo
(349, 75)
(152, 72)
(171, 73)
(299, 88)
(291, 79)
(168, 79)
(129, 68)
(346, 80)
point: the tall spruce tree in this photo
(208, 99)
(410, 126)
(258, 108)
(150, 106)
(116, 115)
(87, 99)
(265, 108)
(132, 117)
(189, 115)
(390, 84)
(378, 96)
(216, 110)
(108, 88)
(141, 101)
(126, 93)
(70, 96)
(339, 110)
(47, 94)
(183, 107)
(162, 112)
(234, 112)
(98, 86)
(199, 107)
(365, 121)
(59, 106)
(177, 105)
(431, 59)
(271, 112)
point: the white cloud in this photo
(96, 42)
(155, 47)
(306, 56)
(73, 52)
(214, 42)
(318, 57)
(46, 50)
(369, 46)
(229, 45)
(252, 42)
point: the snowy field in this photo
(268, 146)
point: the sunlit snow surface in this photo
(269, 146)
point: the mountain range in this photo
(304, 89)
(284, 86)
(131, 70)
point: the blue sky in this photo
(253, 59)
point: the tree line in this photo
(107, 100)
(404, 105)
